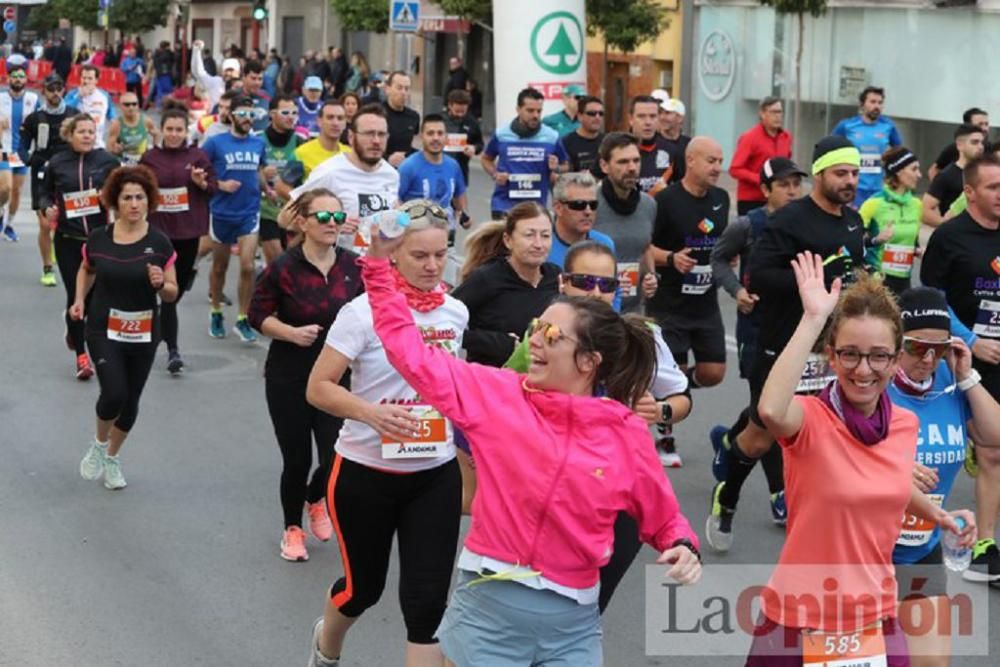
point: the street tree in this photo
(363, 15)
(624, 24)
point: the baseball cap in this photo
(779, 167)
(53, 81)
(662, 97)
(16, 60)
(674, 105)
(573, 89)
(231, 63)
(312, 83)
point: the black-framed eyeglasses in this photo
(919, 348)
(593, 114)
(587, 282)
(878, 360)
(324, 217)
(551, 333)
(421, 210)
(580, 204)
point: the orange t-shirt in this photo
(845, 503)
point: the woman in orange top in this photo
(848, 474)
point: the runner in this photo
(70, 196)
(128, 264)
(253, 82)
(949, 154)
(566, 119)
(849, 437)
(219, 122)
(132, 133)
(395, 472)
(309, 104)
(932, 365)
(541, 587)
(583, 145)
(238, 161)
(892, 220)
(962, 260)
(627, 215)
(523, 157)
(186, 183)
(90, 99)
(506, 281)
(658, 157)
(403, 122)
(295, 302)
(311, 154)
(575, 206)
(947, 186)
(671, 125)
(16, 104)
(765, 140)
(40, 133)
(873, 134)
(465, 138)
(430, 174)
(280, 143)
(822, 223)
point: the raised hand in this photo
(817, 301)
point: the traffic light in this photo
(259, 10)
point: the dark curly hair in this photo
(122, 176)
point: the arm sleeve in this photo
(266, 297)
(729, 245)
(739, 167)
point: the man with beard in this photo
(946, 187)
(430, 174)
(583, 145)
(659, 160)
(281, 142)
(238, 160)
(523, 157)
(825, 224)
(132, 133)
(16, 104)
(873, 134)
(219, 122)
(40, 135)
(214, 86)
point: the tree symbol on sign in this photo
(561, 46)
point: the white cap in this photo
(231, 63)
(676, 106)
(661, 95)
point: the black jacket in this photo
(32, 135)
(68, 172)
(500, 303)
(468, 126)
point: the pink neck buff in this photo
(418, 300)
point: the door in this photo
(292, 31)
(616, 99)
(204, 29)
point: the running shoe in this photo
(720, 461)
(84, 371)
(779, 511)
(719, 525)
(985, 566)
(113, 477)
(216, 326)
(317, 659)
(175, 365)
(319, 521)
(92, 465)
(293, 545)
(48, 278)
(243, 329)
(225, 300)
(10, 234)
(971, 462)
(666, 448)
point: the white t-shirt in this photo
(668, 379)
(376, 381)
(98, 106)
(363, 193)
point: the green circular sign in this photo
(553, 48)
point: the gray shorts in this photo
(507, 624)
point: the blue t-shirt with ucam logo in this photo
(943, 412)
(527, 161)
(871, 139)
(238, 158)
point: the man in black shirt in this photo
(963, 260)
(658, 157)
(672, 114)
(465, 138)
(949, 154)
(404, 122)
(583, 144)
(457, 76)
(946, 188)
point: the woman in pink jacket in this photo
(556, 461)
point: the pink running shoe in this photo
(319, 521)
(293, 545)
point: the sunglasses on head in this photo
(587, 282)
(324, 217)
(580, 204)
(919, 348)
(421, 210)
(551, 333)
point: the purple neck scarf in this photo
(869, 430)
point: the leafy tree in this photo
(138, 16)
(42, 17)
(800, 8)
(624, 24)
(363, 15)
(470, 10)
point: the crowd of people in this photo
(585, 317)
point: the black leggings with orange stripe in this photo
(423, 509)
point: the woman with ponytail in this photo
(557, 462)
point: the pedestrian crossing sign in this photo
(404, 15)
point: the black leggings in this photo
(187, 253)
(122, 370)
(423, 508)
(296, 423)
(69, 258)
(625, 548)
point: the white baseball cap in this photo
(662, 96)
(676, 106)
(231, 63)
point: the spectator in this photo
(765, 140)
(339, 71)
(132, 66)
(139, 47)
(62, 59)
(271, 73)
(163, 65)
(83, 55)
(476, 97)
(457, 76)
(373, 92)
(359, 73)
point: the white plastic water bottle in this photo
(956, 558)
(392, 224)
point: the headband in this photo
(900, 163)
(848, 155)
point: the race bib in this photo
(987, 319)
(82, 203)
(898, 257)
(864, 648)
(14, 160)
(431, 440)
(525, 186)
(698, 280)
(130, 326)
(173, 200)
(131, 159)
(871, 163)
(456, 142)
(816, 376)
(628, 278)
(917, 532)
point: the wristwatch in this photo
(666, 412)
(971, 381)
(685, 542)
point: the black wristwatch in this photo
(685, 542)
(666, 412)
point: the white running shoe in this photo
(92, 465)
(113, 477)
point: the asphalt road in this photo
(182, 567)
